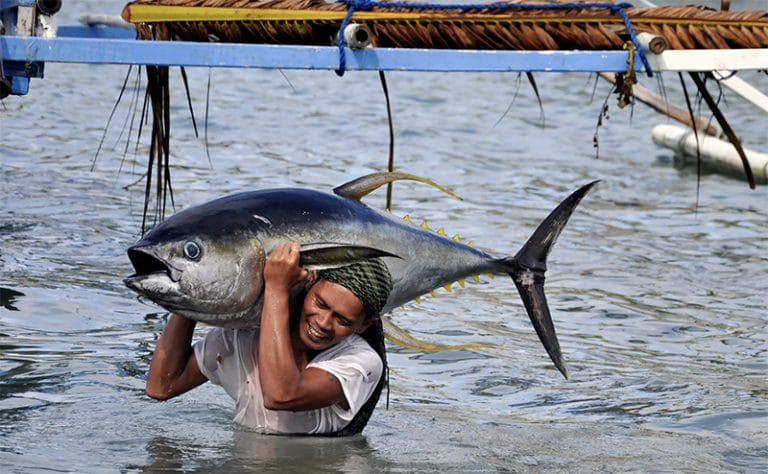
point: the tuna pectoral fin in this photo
(321, 255)
(361, 187)
(528, 267)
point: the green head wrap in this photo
(369, 280)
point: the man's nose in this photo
(324, 319)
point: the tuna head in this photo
(209, 280)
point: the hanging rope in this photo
(362, 5)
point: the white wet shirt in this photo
(226, 358)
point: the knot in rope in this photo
(352, 5)
(619, 9)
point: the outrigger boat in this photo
(619, 40)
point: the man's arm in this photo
(174, 369)
(284, 386)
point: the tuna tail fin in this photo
(527, 270)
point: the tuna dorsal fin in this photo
(322, 255)
(402, 338)
(361, 187)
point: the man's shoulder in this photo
(353, 345)
(226, 341)
(349, 358)
(356, 343)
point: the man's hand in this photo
(282, 270)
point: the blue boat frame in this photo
(23, 57)
(176, 53)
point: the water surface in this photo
(660, 303)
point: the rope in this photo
(362, 5)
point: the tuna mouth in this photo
(147, 264)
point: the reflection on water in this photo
(660, 305)
(305, 454)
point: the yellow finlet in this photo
(432, 293)
(407, 218)
(490, 275)
(447, 287)
(456, 237)
(476, 278)
(461, 282)
(471, 243)
(441, 231)
(425, 225)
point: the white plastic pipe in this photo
(358, 36)
(717, 154)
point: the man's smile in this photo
(316, 333)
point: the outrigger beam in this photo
(237, 55)
(23, 51)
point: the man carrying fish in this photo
(307, 368)
(225, 263)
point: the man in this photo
(306, 369)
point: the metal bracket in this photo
(24, 19)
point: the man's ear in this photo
(366, 324)
(311, 279)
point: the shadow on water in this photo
(249, 450)
(8, 297)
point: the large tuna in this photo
(206, 262)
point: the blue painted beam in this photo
(236, 55)
(95, 31)
(8, 4)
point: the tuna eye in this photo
(192, 251)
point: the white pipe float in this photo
(719, 155)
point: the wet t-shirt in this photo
(228, 357)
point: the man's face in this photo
(330, 313)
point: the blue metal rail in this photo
(24, 55)
(122, 51)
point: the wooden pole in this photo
(661, 105)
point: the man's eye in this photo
(344, 321)
(321, 304)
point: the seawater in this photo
(657, 286)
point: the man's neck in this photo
(301, 352)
